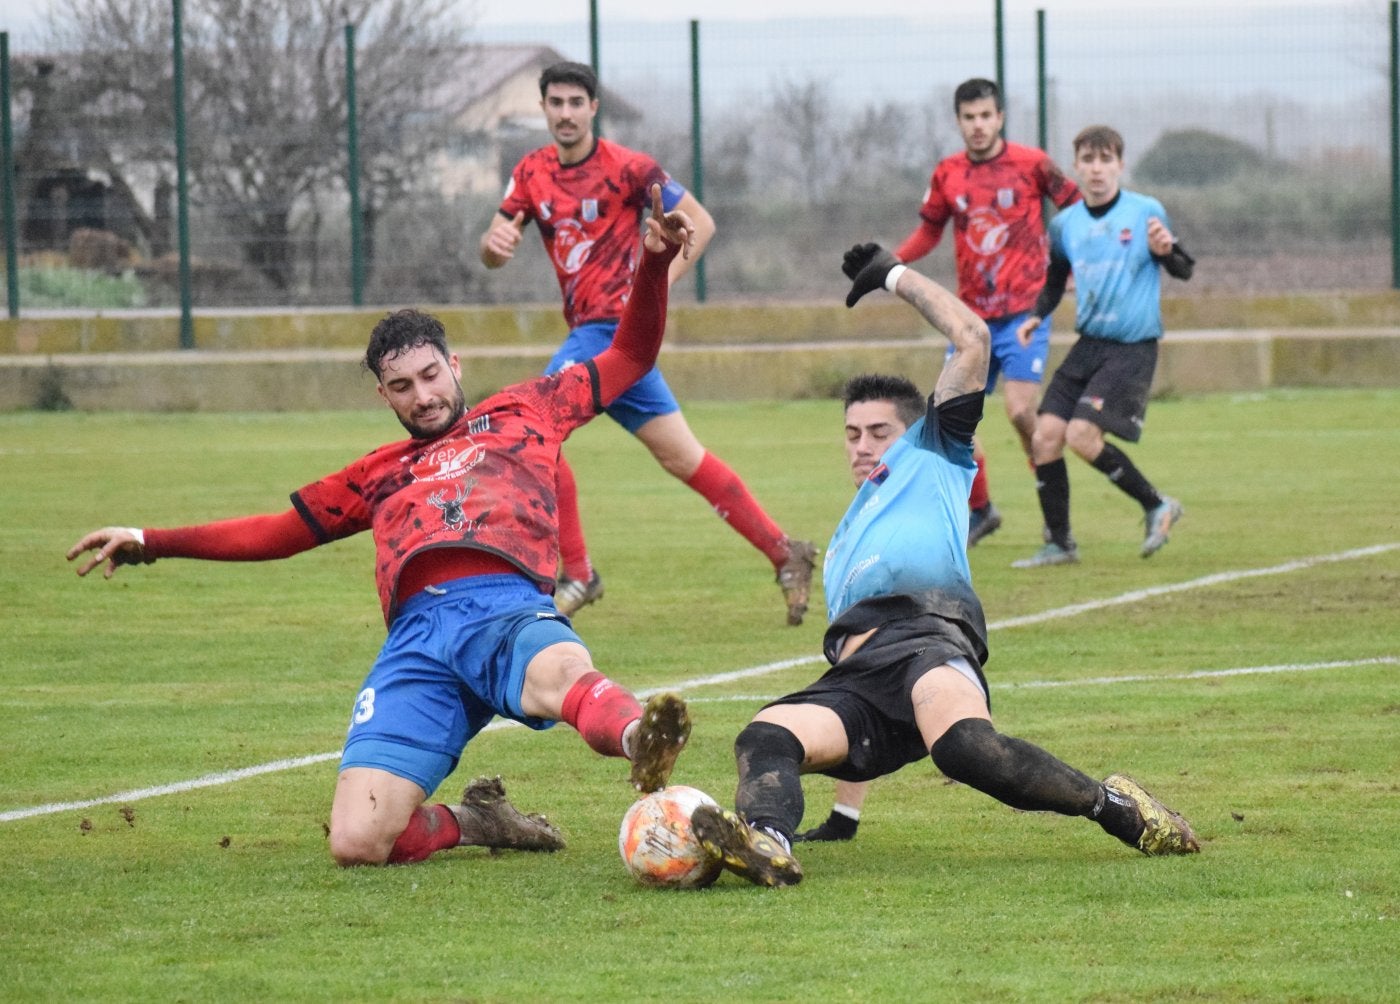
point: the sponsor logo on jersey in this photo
(449, 461)
(452, 516)
(986, 232)
(571, 246)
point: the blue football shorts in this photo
(648, 398)
(1009, 359)
(455, 658)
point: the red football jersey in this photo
(589, 215)
(486, 483)
(1002, 250)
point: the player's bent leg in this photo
(371, 809)
(1019, 397)
(673, 444)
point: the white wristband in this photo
(138, 533)
(892, 279)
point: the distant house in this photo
(497, 91)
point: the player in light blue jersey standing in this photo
(1115, 243)
(907, 638)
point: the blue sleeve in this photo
(671, 194)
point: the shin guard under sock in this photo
(601, 711)
(1114, 463)
(1013, 771)
(1052, 485)
(769, 760)
(730, 498)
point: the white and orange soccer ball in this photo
(658, 845)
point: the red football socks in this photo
(601, 711)
(730, 498)
(980, 495)
(431, 828)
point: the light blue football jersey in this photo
(906, 529)
(1118, 284)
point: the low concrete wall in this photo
(311, 379)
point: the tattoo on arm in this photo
(966, 371)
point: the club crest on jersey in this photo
(879, 474)
(452, 516)
(589, 210)
(1125, 236)
(571, 246)
(1006, 198)
(449, 461)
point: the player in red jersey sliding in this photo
(586, 195)
(462, 515)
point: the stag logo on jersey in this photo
(1125, 236)
(571, 246)
(590, 210)
(449, 461)
(452, 516)
(986, 232)
(1006, 198)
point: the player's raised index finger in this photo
(658, 211)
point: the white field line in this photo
(1137, 595)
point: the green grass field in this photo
(1247, 674)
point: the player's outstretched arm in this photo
(116, 545)
(871, 267)
(245, 538)
(638, 339)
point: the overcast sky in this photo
(19, 17)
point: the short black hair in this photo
(975, 90)
(400, 331)
(578, 74)
(909, 404)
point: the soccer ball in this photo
(657, 844)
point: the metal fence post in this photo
(697, 155)
(352, 143)
(1394, 144)
(7, 141)
(181, 178)
(1042, 105)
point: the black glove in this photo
(837, 827)
(867, 266)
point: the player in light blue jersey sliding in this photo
(907, 639)
(1115, 243)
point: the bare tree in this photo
(266, 103)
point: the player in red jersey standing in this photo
(463, 520)
(992, 192)
(587, 195)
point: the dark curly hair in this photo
(400, 331)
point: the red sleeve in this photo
(919, 243)
(248, 538)
(1060, 190)
(638, 339)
